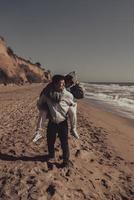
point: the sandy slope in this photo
(101, 168)
(14, 69)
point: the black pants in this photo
(62, 130)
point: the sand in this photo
(103, 163)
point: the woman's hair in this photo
(69, 78)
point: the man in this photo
(58, 100)
(70, 83)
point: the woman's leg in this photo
(41, 119)
(40, 123)
(72, 112)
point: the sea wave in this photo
(117, 96)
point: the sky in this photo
(93, 37)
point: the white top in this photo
(58, 111)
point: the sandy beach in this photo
(103, 161)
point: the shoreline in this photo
(110, 108)
(120, 129)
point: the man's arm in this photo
(41, 102)
(46, 90)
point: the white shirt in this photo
(58, 111)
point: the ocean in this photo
(114, 97)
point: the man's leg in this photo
(51, 137)
(63, 135)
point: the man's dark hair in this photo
(56, 78)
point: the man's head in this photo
(58, 82)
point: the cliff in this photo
(14, 69)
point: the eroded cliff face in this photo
(14, 69)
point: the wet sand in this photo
(103, 163)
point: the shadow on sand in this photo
(6, 157)
(42, 158)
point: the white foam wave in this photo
(121, 97)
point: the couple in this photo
(57, 103)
